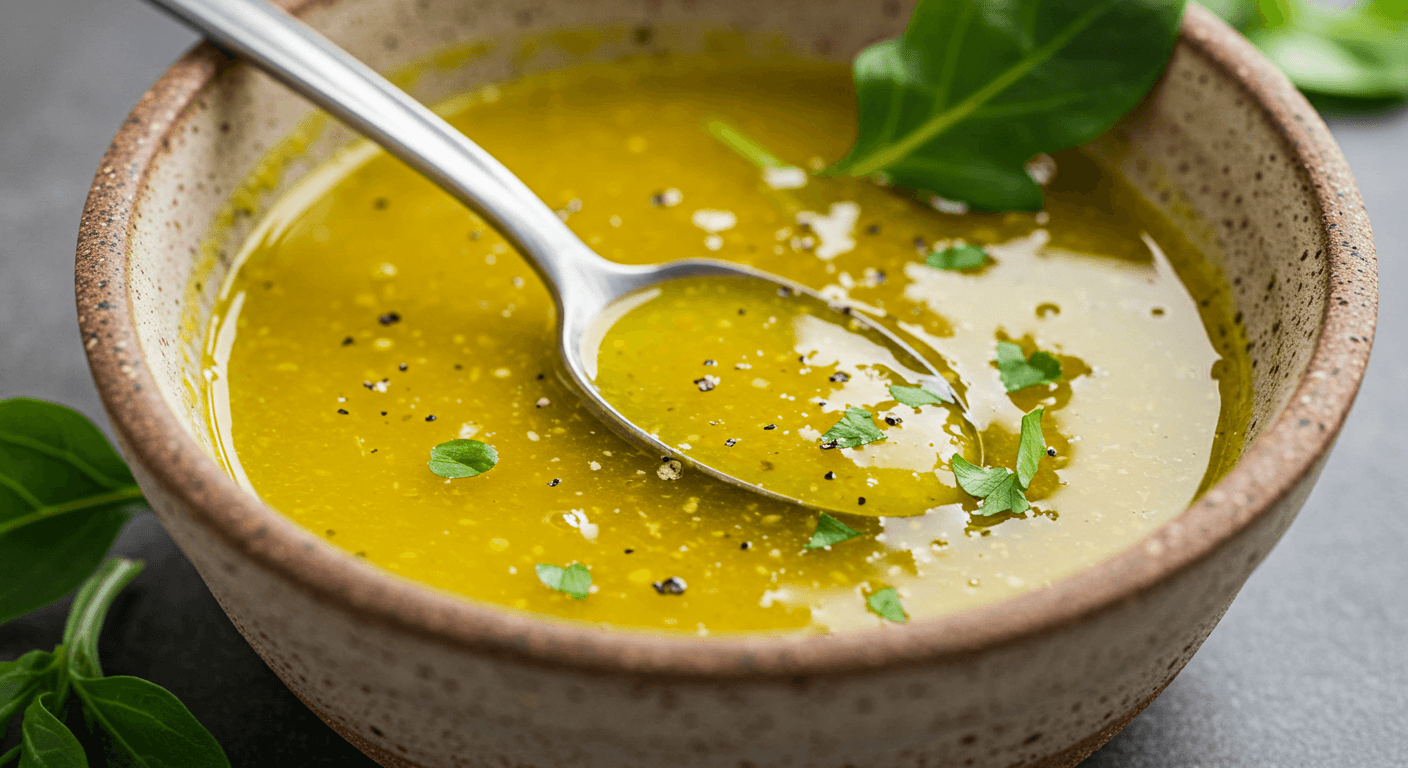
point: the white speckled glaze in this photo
(417, 678)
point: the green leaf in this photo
(575, 579)
(147, 727)
(974, 89)
(1031, 448)
(856, 428)
(830, 531)
(462, 458)
(1355, 53)
(64, 496)
(977, 481)
(886, 604)
(45, 742)
(90, 609)
(958, 257)
(1006, 497)
(915, 397)
(1019, 373)
(22, 679)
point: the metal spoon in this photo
(582, 283)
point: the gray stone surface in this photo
(1309, 669)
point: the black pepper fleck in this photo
(711, 362)
(402, 367)
(893, 421)
(829, 476)
(707, 383)
(554, 482)
(671, 586)
(770, 426)
(629, 551)
(861, 501)
(383, 413)
(349, 341)
(342, 411)
(873, 229)
(1050, 451)
(746, 545)
(731, 442)
(784, 291)
(431, 417)
(840, 377)
(828, 445)
(380, 203)
(389, 318)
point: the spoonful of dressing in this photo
(741, 374)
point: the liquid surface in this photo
(373, 318)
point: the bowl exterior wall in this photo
(1047, 700)
(418, 679)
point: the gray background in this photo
(1309, 667)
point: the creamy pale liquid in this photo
(373, 318)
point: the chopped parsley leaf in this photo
(575, 579)
(830, 531)
(1032, 447)
(886, 605)
(462, 458)
(957, 257)
(856, 428)
(916, 396)
(1001, 489)
(1018, 372)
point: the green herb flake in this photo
(915, 397)
(830, 531)
(978, 481)
(1031, 448)
(1018, 372)
(958, 257)
(1006, 497)
(856, 428)
(575, 579)
(886, 605)
(462, 458)
(975, 89)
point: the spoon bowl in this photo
(585, 287)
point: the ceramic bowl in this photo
(1224, 145)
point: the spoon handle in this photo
(319, 70)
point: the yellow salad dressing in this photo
(372, 318)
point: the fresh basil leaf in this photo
(915, 397)
(90, 609)
(856, 428)
(575, 579)
(977, 481)
(462, 458)
(45, 742)
(1355, 53)
(146, 725)
(1018, 372)
(958, 257)
(64, 495)
(886, 604)
(1006, 497)
(22, 679)
(975, 89)
(1031, 448)
(830, 531)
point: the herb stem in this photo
(906, 145)
(744, 146)
(90, 608)
(127, 493)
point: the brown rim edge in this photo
(1267, 472)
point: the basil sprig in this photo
(64, 495)
(143, 723)
(974, 89)
(1357, 56)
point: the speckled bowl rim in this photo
(1270, 470)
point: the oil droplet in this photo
(1046, 310)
